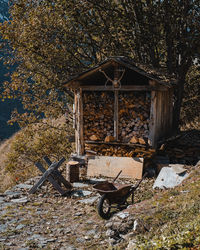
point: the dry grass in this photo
(6, 180)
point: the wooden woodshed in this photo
(120, 109)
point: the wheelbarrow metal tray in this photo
(114, 193)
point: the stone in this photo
(139, 226)
(36, 237)
(91, 232)
(2, 239)
(2, 199)
(80, 185)
(13, 194)
(89, 201)
(69, 247)
(80, 240)
(23, 186)
(3, 228)
(20, 226)
(96, 180)
(110, 233)
(109, 225)
(170, 177)
(132, 245)
(122, 215)
(21, 200)
(81, 193)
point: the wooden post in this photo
(79, 130)
(116, 115)
(152, 125)
(116, 103)
(76, 119)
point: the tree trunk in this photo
(177, 105)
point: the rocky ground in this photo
(49, 221)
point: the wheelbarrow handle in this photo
(117, 176)
(137, 185)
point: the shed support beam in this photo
(116, 115)
(79, 127)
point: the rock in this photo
(91, 232)
(21, 200)
(78, 214)
(139, 226)
(3, 228)
(23, 186)
(116, 225)
(170, 177)
(80, 185)
(109, 225)
(110, 233)
(69, 247)
(96, 180)
(81, 193)
(132, 245)
(2, 199)
(2, 239)
(122, 215)
(89, 201)
(12, 194)
(20, 226)
(80, 240)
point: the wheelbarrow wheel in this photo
(104, 206)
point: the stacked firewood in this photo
(134, 113)
(118, 151)
(98, 113)
(184, 148)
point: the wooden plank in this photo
(79, 133)
(58, 175)
(123, 88)
(47, 173)
(110, 167)
(152, 125)
(76, 120)
(50, 179)
(81, 123)
(116, 115)
(44, 178)
(116, 143)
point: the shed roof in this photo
(127, 63)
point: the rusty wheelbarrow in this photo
(114, 194)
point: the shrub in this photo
(32, 143)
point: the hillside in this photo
(167, 219)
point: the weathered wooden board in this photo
(110, 167)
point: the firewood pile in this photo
(119, 151)
(134, 113)
(98, 113)
(185, 148)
